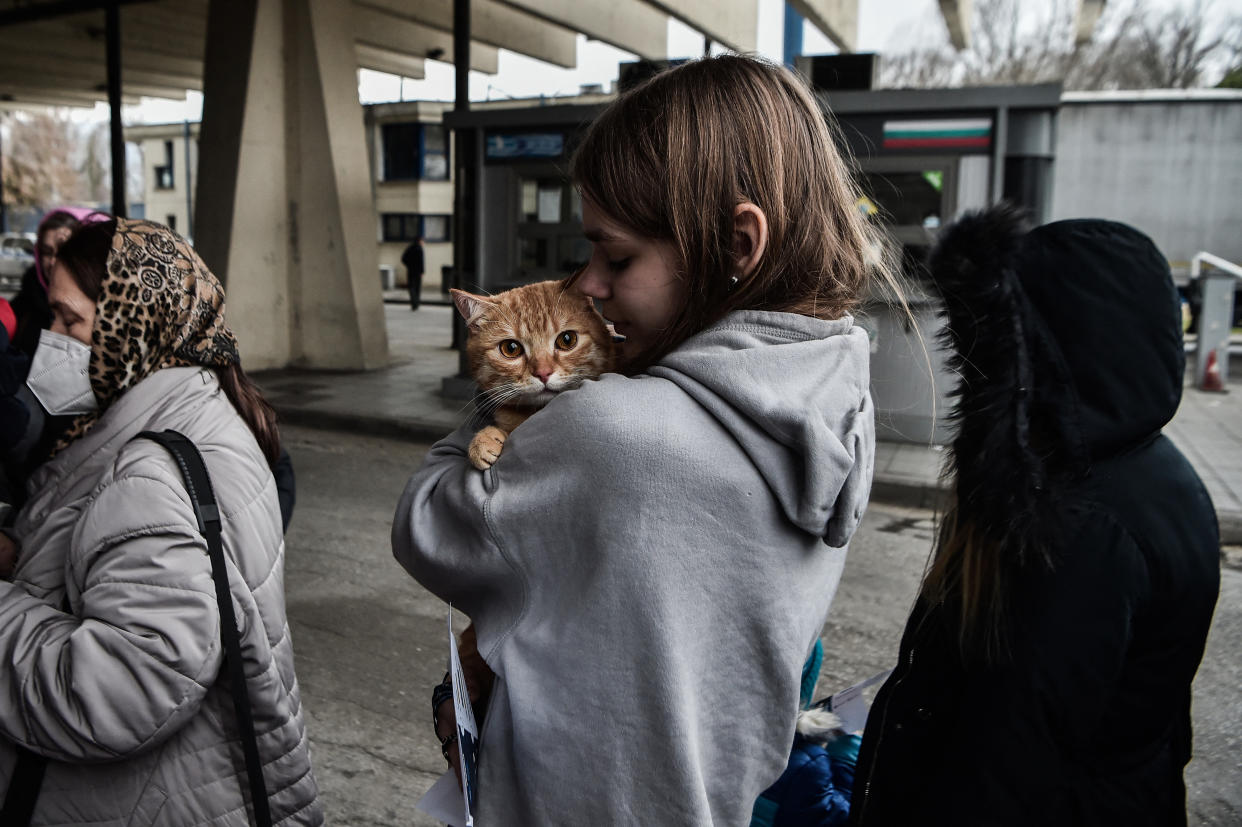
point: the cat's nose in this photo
(543, 375)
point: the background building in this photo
(169, 161)
(411, 167)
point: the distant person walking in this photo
(415, 264)
(1045, 672)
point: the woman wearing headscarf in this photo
(110, 629)
(30, 303)
(1045, 672)
(26, 431)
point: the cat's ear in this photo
(471, 307)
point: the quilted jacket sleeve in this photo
(133, 661)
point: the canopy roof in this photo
(53, 51)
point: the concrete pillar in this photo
(284, 212)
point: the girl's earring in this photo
(732, 284)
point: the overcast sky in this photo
(884, 25)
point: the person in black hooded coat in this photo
(1044, 675)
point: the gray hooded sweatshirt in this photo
(647, 566)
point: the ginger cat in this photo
(525, 346)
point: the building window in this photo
(414, 151)
(436, 227)
(407, 226)
(164, 174)
(171, 222)
(435, 153)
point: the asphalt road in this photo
(370, 642)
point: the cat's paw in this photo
(486, 446)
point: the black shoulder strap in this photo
(23, 792)
(198, 484)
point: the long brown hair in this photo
(85, 256)
(969, 576)
(672, 159)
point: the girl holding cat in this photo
(651, 556)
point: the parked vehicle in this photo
(17, 251)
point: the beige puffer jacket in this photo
(124, 692)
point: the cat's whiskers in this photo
(488, 401)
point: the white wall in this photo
(1171, 168)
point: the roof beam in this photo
(957, 15)
(21, 97)
(17, 59)
(96, 85)
(375, 27)
(837, 19)
(79, 47)
(30, 12)
(394, 63)
(631, 25)
(136, 34)
(494, 25)
(1086, 17)
(731, 22)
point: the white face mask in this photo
(60, 375)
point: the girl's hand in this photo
(445, 718)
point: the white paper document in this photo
(850, 705)
(444, 802)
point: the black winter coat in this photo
(1088, 721)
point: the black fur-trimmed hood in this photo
(1067, 342)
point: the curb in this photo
(908, 493)
(412, 430)
(1230, 528)
(898, 491)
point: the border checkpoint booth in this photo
(923, 157)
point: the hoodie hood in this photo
(1106, 296)
(1066, 340)
(793, 391)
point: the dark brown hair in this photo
(85, 255)
(54, 221)
(673, 158)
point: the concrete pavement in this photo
(404, 400)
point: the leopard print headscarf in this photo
(159, 307)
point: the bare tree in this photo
(96, 166)
(38, 160)
(1130, 49)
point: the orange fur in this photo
(517, 381)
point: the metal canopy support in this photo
(793, 35)
(31, 12)
(4, 215)
(112, 17)
(189, 184)
(1000, 138)
(463, 220)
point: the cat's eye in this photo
(510, 349)
(567, 340)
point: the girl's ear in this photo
(750, 237)
(471, 307)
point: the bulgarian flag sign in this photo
(958, 133)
